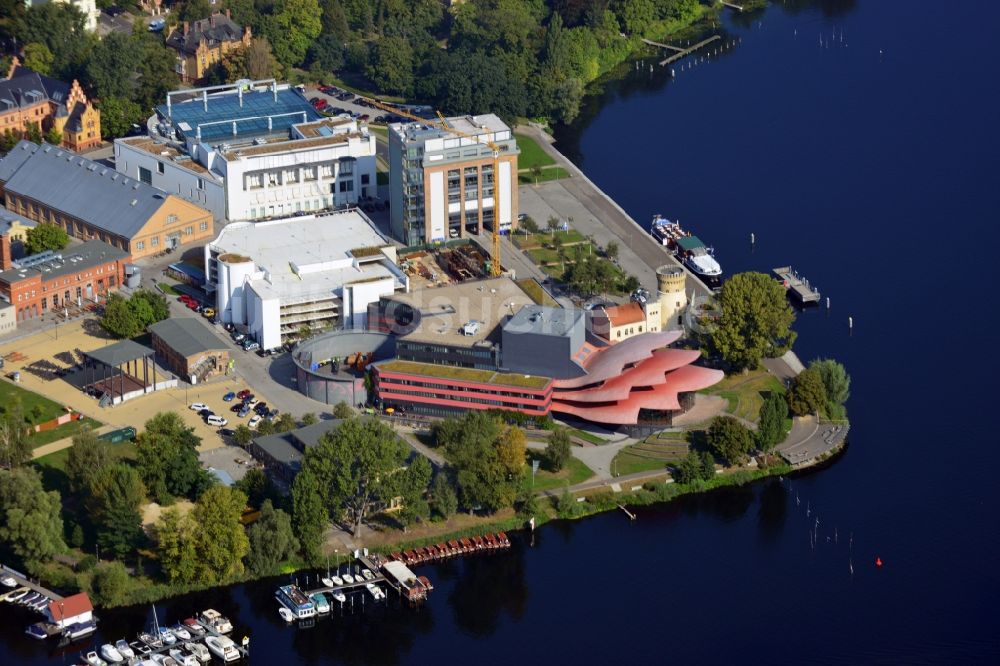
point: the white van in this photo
(216, 420)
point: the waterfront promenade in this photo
(595, 214)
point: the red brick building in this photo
(77, 275)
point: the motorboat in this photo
(373, 590)
(124, 649)
(37, 631)
(349, 579)
(182, 658)
(92, 659)
(166, 636)
(8, 581)
(141, 649)
(164, 660)
(222, 647)
(328, 582)
(80, 629)
(339, 596)
(367, 574)
(322, 605)
(111, 653)
(286, 614)
(18, 595)
(216, 620)
(30, 599)
(337, 581)
(180, 632)
(193, 627)
(40, 604)
(199, 651)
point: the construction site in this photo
(444, 266)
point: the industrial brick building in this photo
(187, 348)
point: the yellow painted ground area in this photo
(83, 335)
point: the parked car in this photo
(229, 327)
(250, 346)
(314, 100)
(254, 421)
(208, 313)
(244, 410)
(250, 401)
(216, 420)
(198, 406)
(229, 397)
(227, 432)
(260, 408)
(242, 395)
(238, 407)
(205, 413)
(239, 337)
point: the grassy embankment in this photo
(39, 409)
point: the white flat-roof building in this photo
(318, 271)
(442, 184)
(268, 166)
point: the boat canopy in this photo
(689, 243)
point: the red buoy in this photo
(878, 562)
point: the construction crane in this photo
(442, 124)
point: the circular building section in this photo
(331, 367)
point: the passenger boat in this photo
(687, 247)
(199, 651)
(292, 598)
(216, 620)
(322, 605)
(111, 653)
(222, 647)
(124, 649)
(80, 629)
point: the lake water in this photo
(858, 141)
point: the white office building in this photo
(319, 271)
(442, 183)
(253, 154)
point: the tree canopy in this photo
(755, 321)
(488, 458)
(357, 467)
(221, 543)
(558, 450)
(272, 540)
(127, 318)
(15, 447)
(730, 439)
(31, 525)
(88, 457)
(116, 496)
(771, 421)
(45, 236)
(168, 459)
(807, 394)
(836, 381)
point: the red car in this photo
(242, 395)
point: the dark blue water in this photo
(871, 165)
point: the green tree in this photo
(342, 410)
(558, 450)
(110, 68)
(257, 486)
(309, 418)
(553, 224)
(157, 309)
(707, 463)
(111, 582)
(15, 447)
(771, 421)
(119, 319)
(355, 465)
(836, 381)
(630, 283)
(445, 499)
(8, 140)
(34, 132)
(265, 427)
(326, 54)
(243, 435)
(272, 540)
(636, 15)
(807, 394)
(730, 439)
(254, 61)
(536, 173)
(45, 236)
(413, 491)
(60, 27)
(87, 458)
(53, 137)
(755, 321)
(291, 28)
(39, 58)
(118, 114)
(220, 542)
(285, 423)
(195, 10)
(391, 66)
(31, 525)
(154, 73)
(309, 514)
(529, 224)
(485, 478)
(116, 497)
(687, 469)
(176, 537)
(168, 459)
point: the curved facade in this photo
(314, 364)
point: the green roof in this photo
(690, 243)
(465, 374)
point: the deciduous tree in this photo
(771, 422)
(730, 439)
(220, 542)
(445, 500)
(15, 447)
(272, 540)
(807, 394)
(836, 381)
(116, 496)
(755, 321)
(176, 537)
(558, 450)
(309, 513)
(168, 459)
(30, 521)
(118, 114)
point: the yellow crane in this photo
(442, 124)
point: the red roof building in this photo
(76, 608)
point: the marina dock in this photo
(24, 582)
(797, 286)
(681, 52)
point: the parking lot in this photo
(341, 101)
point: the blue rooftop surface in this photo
(256, 104)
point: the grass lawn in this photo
(544, 237)
(464, 374)
(535, 291)
(168, 289)
(531, 153)
(745, 393)
(53, 466)
(543, 255)
(655, 453)
(39, 409)
(573, 472)
(547, 174)
(586, 436)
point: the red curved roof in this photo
(649, 372)
(609, 362)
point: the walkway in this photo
(809, 439)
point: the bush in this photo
(110, 584)
(86, 563)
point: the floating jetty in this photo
(797, 286)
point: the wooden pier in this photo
(796, 285)
(24, 581)
(681, 52)
(731, 5)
